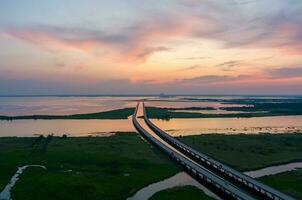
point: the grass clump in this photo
(180, 193)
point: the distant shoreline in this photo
(113, 114)
(146, 95)
(153, 113)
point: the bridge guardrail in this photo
(202, 174)
(206, 160)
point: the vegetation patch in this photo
(271, 108)
(288, 182)
(180, 193)
(112, 114)
(253, 107)
(248, 152)
(168, 113)
(116, 167)
(193, 108)
(82, 168)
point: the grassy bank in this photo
(112, 114)
(281, 108)
(289, 182)
(253, 107)
(82, 168)
(168, 113)
(247, 152)
(180, 193)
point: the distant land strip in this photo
(167, 113)
(252, 109)
(123, 113)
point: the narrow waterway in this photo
(274, 170)
(180, 179)
(95, 127)
(6, 193)
(183, 179)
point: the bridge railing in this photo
(202, 174)
(210, 162)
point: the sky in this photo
(151, 47)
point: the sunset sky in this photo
(151, 46)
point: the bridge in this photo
(223, 188)
(220, 178)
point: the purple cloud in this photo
(288, 72)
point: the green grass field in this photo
(289, 182)
(112, 114)
(279, 108)
(168, 113)
(116, 167)
(82, 168)
(247, 152)
(180, 193)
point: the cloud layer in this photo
(220, 41)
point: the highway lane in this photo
(221, 187)
(236, 177)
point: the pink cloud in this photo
(50, 40)
(135, 44)
(285, 37)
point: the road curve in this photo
(221, 187)
(236, 177)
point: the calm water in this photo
(218, 111)
(274, 169)
(182, 104)
(13, 106)
(62, 105)
(182, 179)
(72, 105)
(59, 127)
(279, 124)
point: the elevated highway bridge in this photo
(218, 177)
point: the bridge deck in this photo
(200, 173)
(214, 165)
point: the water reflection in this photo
(274, 170)
(218, 111)
(71, 105)
(13, 106)
(176, 127)
(256, 125)
(59, 127)
(180, 179)
(182, 104)
(62, 105)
